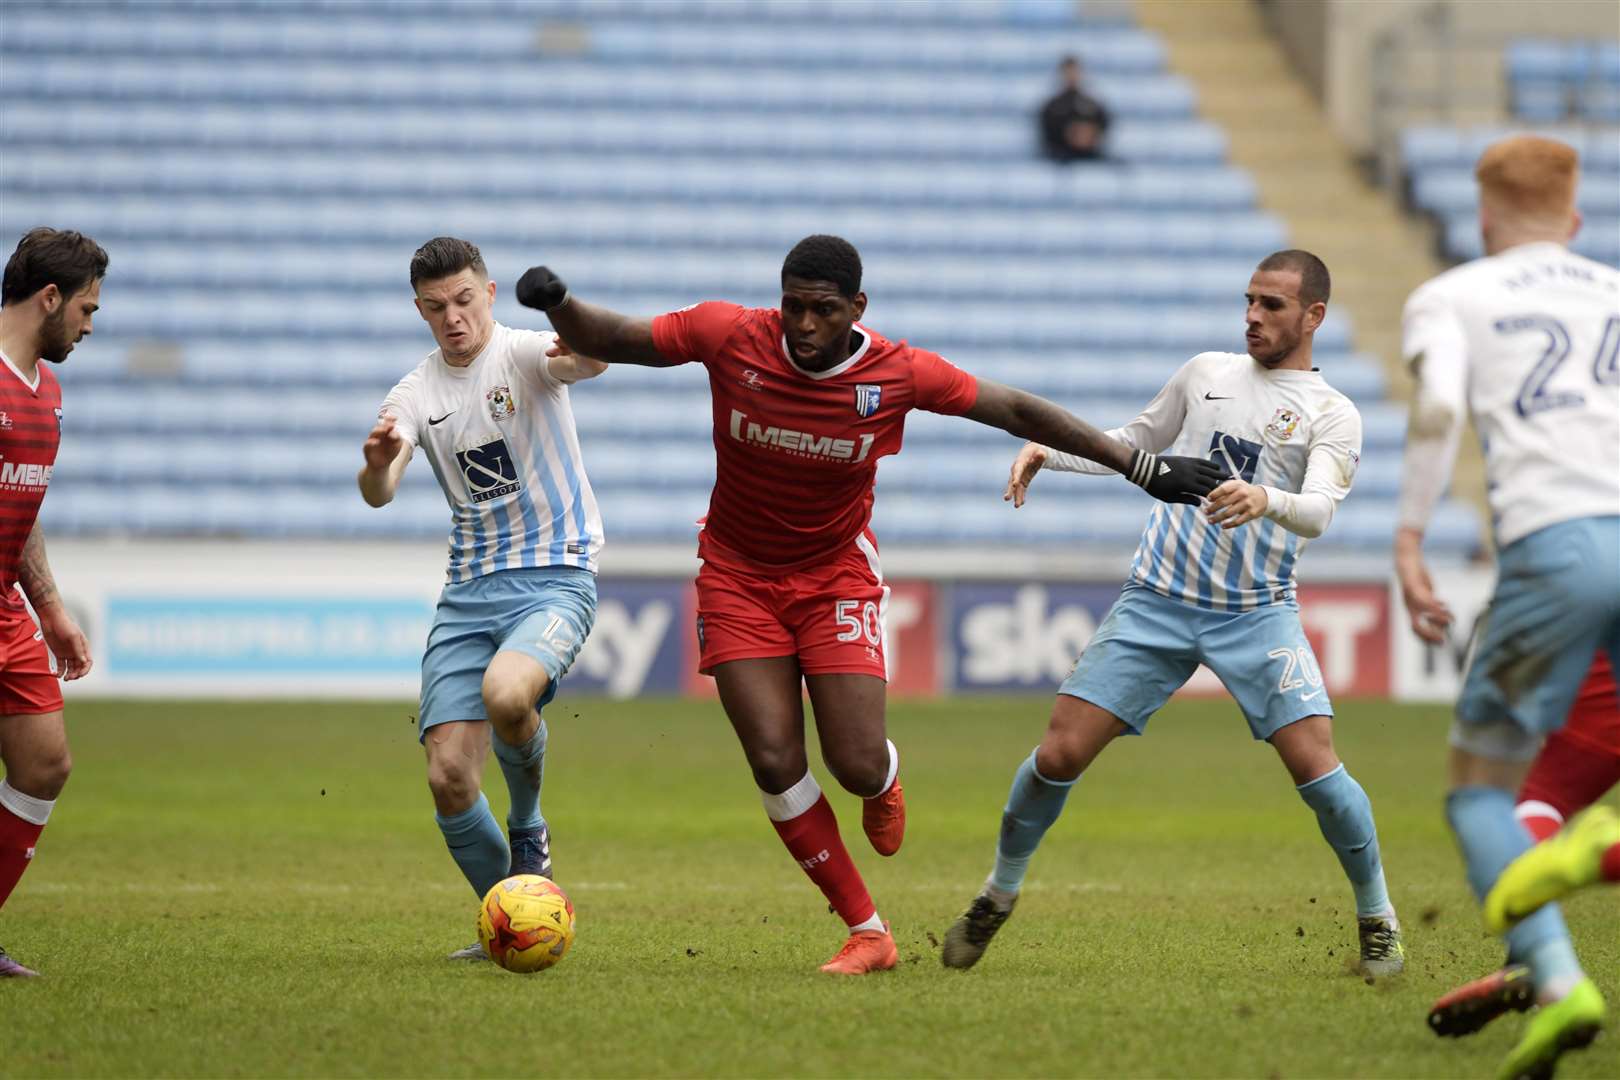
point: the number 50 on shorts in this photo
(857, 620)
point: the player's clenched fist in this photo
(1024, 467)
(540, 288)
(1174, 479)
(382, 445)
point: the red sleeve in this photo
(696, 332)
(941, 386)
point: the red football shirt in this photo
(30, 430)
(796, 451)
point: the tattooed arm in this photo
(62, 635)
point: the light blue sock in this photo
(1345, 815)
(1490, 837)
(524, 768)
(1033, 804)
(475, 842)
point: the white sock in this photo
(874, 923)
(792, 802)
(894, 768)
(999, 897)
(32, 810)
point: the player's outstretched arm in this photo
(1017, 412)
(386, 455)
(61, 633)
(1024, 467)
(568, 366)
(587, 328)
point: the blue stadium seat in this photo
(262, 170)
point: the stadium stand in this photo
(1568, 90)
(262, 171)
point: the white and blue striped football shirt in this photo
(1286, 429)
(500, 436)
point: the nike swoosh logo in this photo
(1307, 697)
(432, 422)
(1214, 397)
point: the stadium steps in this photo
(1280, 134)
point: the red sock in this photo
(1568, 775)
(17, 840)
(813, 840)
(1611, 863)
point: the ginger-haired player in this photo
(1527, 341)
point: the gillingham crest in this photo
(867, 397)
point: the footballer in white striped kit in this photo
(1206, 590)
(489, 408)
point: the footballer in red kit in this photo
(51, 288)
(791, 593)
(796, 455)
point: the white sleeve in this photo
(1330, 469)
(401, 404)
(1154, 429)
(1435, 347)
(529, 356)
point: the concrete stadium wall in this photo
(1332, 42)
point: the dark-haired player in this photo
(489, 410)
(51, 288)
(806, 400)
(1201, 591)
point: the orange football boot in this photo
(884, 819)
(866, 951)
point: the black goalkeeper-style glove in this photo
(1175, 479)
(540, 288)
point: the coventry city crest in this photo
(501, 405)
(1283, 425)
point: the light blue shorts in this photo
(543, 612)
(1557, 601)
(1150, 645)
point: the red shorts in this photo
(829, 615)
(27, 685)
(1594, 719)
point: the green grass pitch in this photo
(258, 890)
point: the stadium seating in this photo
(261, 171)
(1569, 90)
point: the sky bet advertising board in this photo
(240, 627)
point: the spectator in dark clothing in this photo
(1073, 122)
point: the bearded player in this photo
(806, 400)
(1204, 589)
(51, 288)
(1525, 341)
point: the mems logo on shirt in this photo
(16, 476)
(489, 470)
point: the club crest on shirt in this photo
(501, 405)
(751, 379)
(1283, 425)
(867, 398)
(5, 420)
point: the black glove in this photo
(1175, 479)
(540, 288)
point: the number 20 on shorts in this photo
(1298, 661)
(856, 621)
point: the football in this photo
(526, 923)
